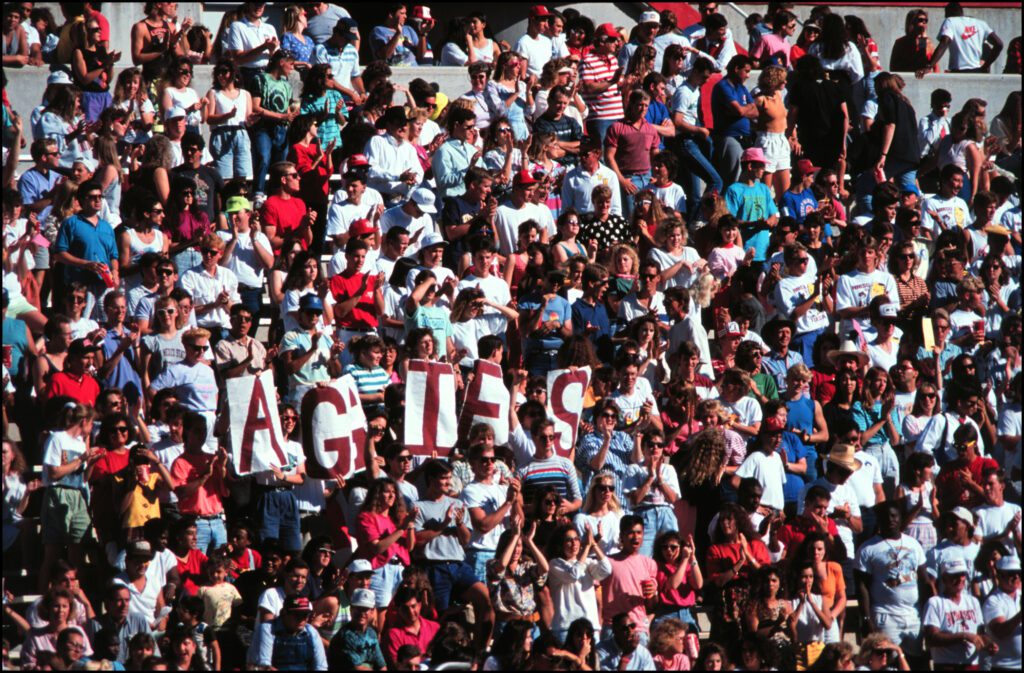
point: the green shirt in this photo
(274, 94)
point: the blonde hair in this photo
(704, 289)
(799, 372)
(212, 241)
(417, 114)
(290, 18)
(631, 252)
(72, 414)
(590, 502)
(664, 634)
(193, 335)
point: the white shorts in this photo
(776, 150)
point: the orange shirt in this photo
(206, 501)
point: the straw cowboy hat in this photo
(842, 455)
(848, 348)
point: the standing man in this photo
(322, 19)
(694, 139)
(646, 30)
(536, 45)
(341, 52)
(628, 147)
(250, 41)
(579, 183)
(973, 46)
(87, 248)
(599, 82)
(566, 129)
(355, 202)
(214, 288)
(490, 504)
(271, 101)
(631, 588)
(732, 108)
(415, 216)
(457, 155)
(36, 183)
(240, 354)
(308, 356)
(248, 254)
(395, 42)
(193, 381)
(1002, 615)
(284, 213)
(518, 209)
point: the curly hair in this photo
(772, 79)
(664, 634)
(704, 460)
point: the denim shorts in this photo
(385, 583)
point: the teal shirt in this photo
(436, 318)
(450, 163)
(274, 94)
(327, 127)
(748, 203)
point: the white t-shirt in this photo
(967, 37)
(1004, 605)
(417, 227)
(630, 405)
(863, 480)
(770, 472)
(991, 521)
(746, 409)
(856, 289)
(947, 551)
(244, 262)
(507, 223)
(672, 197)
(496, 290)
(951, 616)
(892, 566)
(537, 51)
(489, 497)
(790, 292)
(808, 626)
(341, 212)
(684, 277)
(938, 214)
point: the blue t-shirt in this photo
(749, 203)
(77, 236)
(795, 450)
(799, 205)
(405, 52)
(124, 375)
(727, 123)
(557, 308)
(597, 316)
(656, 114)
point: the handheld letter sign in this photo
(333, 429)
(257, 443)
(566, 389)
(487, 401)
(429, 389)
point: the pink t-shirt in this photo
(682, 596)
(770, 45)
(633, 146)
(370, 527)
(623, 591)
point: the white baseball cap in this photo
(175, 112)
(58, 77)
(431, 238)
(650, 16)
(954, 567)
(363, 598)
(424, 198)
(963, 514)
(359, 565)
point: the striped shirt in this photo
(608, 103)
(554, 471)
(368, 381)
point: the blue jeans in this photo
(232, 152)
(478, 559)
(696, 167)
(641, 180)
(210, 534)
(804, 344)
(904, 175)
(447, 578)
(279, 519)
(271, 146)
(672, 612)
(599, 128)
(657, 520)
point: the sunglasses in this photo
(209, 252)
(612, 416)
(604, 488)
(290, 417)
(121, 429)
(196, 347)
(404, 459)
(670, 546)
(802, 260)
(166, 311)
(77, 299)
(487, 460)
(166, 272)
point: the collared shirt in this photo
(344, 63)
(244, 35)
(33, 185)
(606, 105)
(778, 366)
(633, 146)
(727, 122)
(930, 130)
(487, 105)
(579, 184)
(450, 163)
(388, 160)
(205, 288)
(352, 648)
(132, 625)
(619, 451)
(83, 239)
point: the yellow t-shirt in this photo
(218, 602)
(144, 505)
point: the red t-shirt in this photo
(313, 182)
(370, 527)
(83, 390)
(364, 315)
(285, 215)
(795, 530)
(395, 637)
(191, 570)
(721, 557)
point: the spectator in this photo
(972, 44)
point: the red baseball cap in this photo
(358, 160)
(361, 227)
(538, 11)
(773, 425)
(805, 167)
(606, 30)
(524, 178)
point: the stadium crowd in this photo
(796, 299)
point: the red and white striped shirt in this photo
(608, 103)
